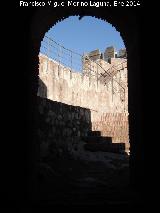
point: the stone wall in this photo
(113, 125)
(76, 89)
(60, 126)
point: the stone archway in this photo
(127, 24)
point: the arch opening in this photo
(85, 124)
(130, 37)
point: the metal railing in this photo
(77, 63)
(108, 76)
(60, 54)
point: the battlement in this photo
(109, 53)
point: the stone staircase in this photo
(94, 142)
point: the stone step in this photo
(94, 133)
(97, 139)
(114, 147)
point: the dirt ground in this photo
(66, 181)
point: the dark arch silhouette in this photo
(37, 22)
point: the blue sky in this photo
(86, 34)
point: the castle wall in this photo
(113, 125)
(84, 91)
(76, 89)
